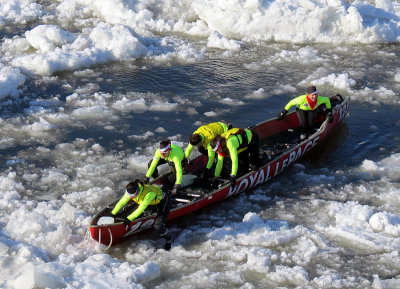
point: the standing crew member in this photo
(307, 105)
(230, 144)
(145, 195)
(201, 138)
(174, 156)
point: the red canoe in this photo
(279, 149)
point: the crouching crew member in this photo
(145, 195)
(201, 138)
(174, 156)
(307, 105)
(230, 144)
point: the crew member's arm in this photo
(211, 157)
(121, 203)
(154, 163)
(218, 167)
(188, 150)
(291, 103)
(233, 154)
(143, 205)
(178, 169)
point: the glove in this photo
(176, 189)
(282, 114)
(214, 183)
(330, 116)
(127, 222)
(252, 167)
(206, 174)
(146, 180)
(232, 180)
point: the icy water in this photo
(88, 89)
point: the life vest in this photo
(209, 131)
(146, 189)
(240, 134)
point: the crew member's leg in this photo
(311, 121)
(162, 216)
(303, 118)
(254, 150)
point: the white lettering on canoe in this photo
(308, 146)
(267, 174)
(263, 175)
(242, 186)
(276, 168)
(284, 163)
(253, 178)
(292, 157)
(140, 226)
(298, 154)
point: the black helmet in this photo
(133, 187)
(311, 89)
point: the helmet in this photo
(312, 89)
(132, 188)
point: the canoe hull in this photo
(112, 234)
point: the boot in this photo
(169, 243)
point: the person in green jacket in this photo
(145, 195)
(231, 143)
(201, 138)
(307, 105)
(174, 156)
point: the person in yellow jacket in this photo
(307, 105)
(201, 138)
(233, 142)
(174, 156)
(145, 195)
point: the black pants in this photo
(250, 155)
(162, 216)
(253, 149)
(202, 150)
(307, 121)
